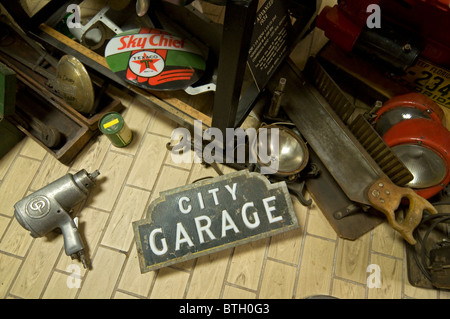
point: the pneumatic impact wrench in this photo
(50, 208)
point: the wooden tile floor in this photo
(311, 260)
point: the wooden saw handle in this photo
(386, 197)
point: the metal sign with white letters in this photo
(212, 215)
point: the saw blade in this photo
(388, 162)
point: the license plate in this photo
(212, 215)
(429, 79)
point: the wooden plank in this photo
(208, 276)
(287, 246)
(148, 162)
(8, 269)
(101, 280)
(348, 290)
(57, 287)
(132, 280)
(247, 263)
(130, 207)
(17, 240)
(391, 278)
(16, 183)
(231, 292)
(352, 258)
(113, 173)
(51, 169)
(316, 267)
(37, 267)
(170, 284)
(278, 281)
(387, 241)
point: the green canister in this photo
(114, 127)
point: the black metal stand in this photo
(237, 33)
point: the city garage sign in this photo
(212, 215)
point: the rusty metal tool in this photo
(361, 129)
(356, 172)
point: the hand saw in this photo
(350, 164)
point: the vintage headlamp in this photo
(283, 147)
(423, 146)
(412, 126)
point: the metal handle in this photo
(386, 197)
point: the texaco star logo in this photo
(146, 64)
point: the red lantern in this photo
(423, 145)
(406, 107)
(412, 125)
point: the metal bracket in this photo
(99, 21)
(200, 89)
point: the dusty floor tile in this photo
(33, 149)
(130, 207)
(352, 258)
(8, 269)
(347, 290)
(7, 159)
(318, 224)
(4, 222)
(208, 275)
(170, 284)
(16, 183)
(444, 294)
(183, 160)
(132, 280)
(200, 171)
(122, 295)
(148, 162)
(231, 292)
(246, 264)
(316, 267)
(161, 125)
(16, 240)
(390, 271)
(287, 246)
(37, 267)
(388, 241)
(170, 178)
(50, 170)
(278, 281)
(92, 155)
(108, 185)
(62, 286)
(99, 282)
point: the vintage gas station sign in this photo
(155, 59)
(212, 215)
